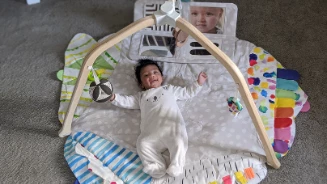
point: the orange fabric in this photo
(249, 173)
(284, 112)
(254, 95)
(250, 71)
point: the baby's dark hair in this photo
(141, 64)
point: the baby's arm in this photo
(126, 101)
(191, 90)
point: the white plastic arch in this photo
(205, 42)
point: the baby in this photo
(162, 124)
(206, 19)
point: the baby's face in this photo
(205, 19)
(150, 77)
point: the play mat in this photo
(223, 148)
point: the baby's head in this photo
(148, 74)
(206, 19)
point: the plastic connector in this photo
(167, 14)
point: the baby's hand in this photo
(202, 78)
(112, 98)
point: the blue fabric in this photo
(288, 74)
(118, 159)
(289, 85)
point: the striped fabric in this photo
(127, 166)
(277, 96)
(77, 49)
(122, 162)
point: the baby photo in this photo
(207, 19)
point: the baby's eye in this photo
(155, 72)
(209, 14)
(194, 14)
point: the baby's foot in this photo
(155, 170)
(174, 170)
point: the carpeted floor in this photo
(32, 44)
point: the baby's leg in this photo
(177, 149)
(149, 151)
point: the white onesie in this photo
(162, 127)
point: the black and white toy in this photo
(100, 90)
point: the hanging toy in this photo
(100, 90)
(234, 105)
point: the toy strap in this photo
(96, 78)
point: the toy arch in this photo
(206, 43)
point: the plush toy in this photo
(100, 90)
